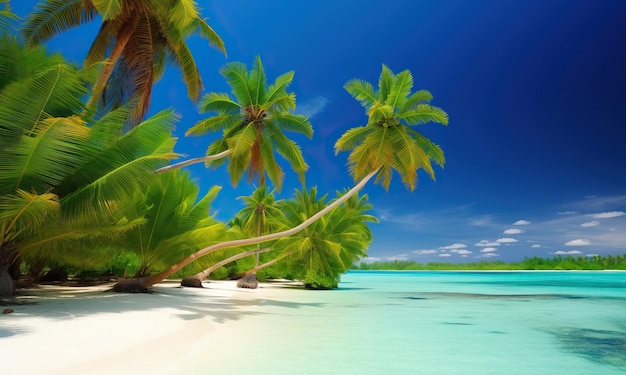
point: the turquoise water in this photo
(435, 323)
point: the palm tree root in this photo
(248, 281)
(130, 286)
(192, 282)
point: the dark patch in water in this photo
(458, 324)
(519, 297)
(600, 346)
(497, 332)
(418, 298)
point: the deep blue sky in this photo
(535, 90)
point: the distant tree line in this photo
(596, 262)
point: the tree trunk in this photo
(185, 163)
(196, 280)
(7, 287)
(8, 256)
(142, 284)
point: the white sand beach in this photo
(88, 330)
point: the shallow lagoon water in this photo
(433, 323)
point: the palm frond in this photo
(55, 16)
(258, 82)
(218, 102)
(418, 97)
(24, 213)
(279, 87)
(351, 138)
(242, 142)
(108, 9)
(292, 122)
(207, 31)
(362, 91)
(215, 123)
(400, 89)
(385, 83)
(424, 113)
(237, 77)
(270, 166)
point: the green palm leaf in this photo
(55, 16)
(220, 103)
(362, 91)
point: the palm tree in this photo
(329, 247)
(62, 180)
(135, 41)
(385, 143)
(253, 123)
(388, 141)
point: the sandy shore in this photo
(88, 330)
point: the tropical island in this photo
(556, 263)
(113, 258)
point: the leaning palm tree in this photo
(135, 41)
(386, 143)
(252, 123)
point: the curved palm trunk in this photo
(201, 159)
(265, 265)
(142, 284)
(196, 280)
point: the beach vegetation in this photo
(80, 189)
(555, 263)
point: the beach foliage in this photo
(175, 221)
(63, 178)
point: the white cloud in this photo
(444, 255)
(567, 213)
(521, 222)
(513, 231)
(536, 246)
(424, 252)
(312, 107)
(453, 246)
(571, 252)
(481, 221)
(489, 255)
(486, 243)
(608, 215)
(590, 224)
(464, 252)
(578, 242)
(488, 250)
(506, 240)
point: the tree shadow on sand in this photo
(63, 302)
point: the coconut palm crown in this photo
(388, 141)
(253, 123)
(135, 40)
